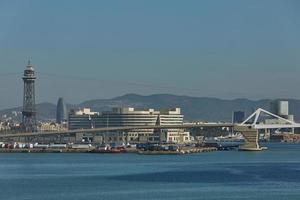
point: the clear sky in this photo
(101, 49)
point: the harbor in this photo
(207, 145)
(217, 175)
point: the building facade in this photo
(61, 111)
(238, 117)
(124, 117)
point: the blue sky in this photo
(101, 49)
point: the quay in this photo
(178, 152)
(40, 150)
(182, 151)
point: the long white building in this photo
(119, 117)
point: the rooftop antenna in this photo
(29, 61)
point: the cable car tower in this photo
(29, 111)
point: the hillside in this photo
(194, 108)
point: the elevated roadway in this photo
(125, 128)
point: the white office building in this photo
(124, 117)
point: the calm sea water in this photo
(269, 175)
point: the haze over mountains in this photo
(194, 108)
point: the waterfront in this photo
(271, 174)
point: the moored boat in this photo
(108, 149)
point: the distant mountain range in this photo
(194, 108)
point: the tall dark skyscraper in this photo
(61, 111)
(29, 111)
(238, 117)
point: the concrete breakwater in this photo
(179, 151)
(185, 150)
(198, 150)
(38, 150)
